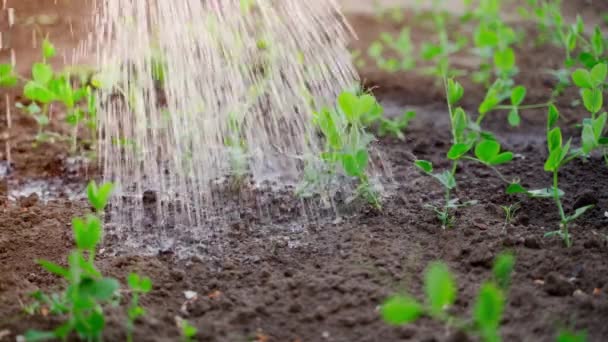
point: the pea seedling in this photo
(47, 87)
(138, 286)
(441, 292)
(560, 154)
(88, 290)
(346, 142)
(465, 136)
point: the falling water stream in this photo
(199, 91)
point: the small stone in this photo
(558, 285)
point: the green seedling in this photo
(237, 147)
(560, 154)
(591, 85)
(188, 331)
(346, 142)
(441, 293)
(400, 46)
(88, 290)
(510, 212)
(440, 52)
(397, 126)
(138, 286)
(47, 88)
(467, 136)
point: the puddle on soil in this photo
(46, 189)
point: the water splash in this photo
(197, 90)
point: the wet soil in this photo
(324, 280)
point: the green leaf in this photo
(504, 60)
(460, 124)
(569, 336)
(54, 268)
(375, 50)
(516, 188)
(598, 74)
(362, 159)
(430, 51)
(440, 287)
(589, 142)
(488, 309)
(502, 269)
(7, 76)
(401, 310)
(446, 179)
(598, 125)
(38, 92)
(553, 161)
(554, 139)
(597, 41)
(552, 116)
(102, 290)
(348, 103)
(87, 233)
(578, 212)
(458, 150)
(42, 73)
(424, 165)
(99, 196)
(502, 158)
(490, 102)
(582, 78)
(36, 335)
(514, 118)
(455, 91)
(517, 95)
(48, 49)
(486, 150)
(350, 165)
(593, 99)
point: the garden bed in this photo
(323, 280)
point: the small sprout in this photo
(99, 196)
(510, 211)
(441, 292)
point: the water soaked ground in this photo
(296, 279)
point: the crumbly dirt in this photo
(328, 285)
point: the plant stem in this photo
(539, 105)
(563, 221)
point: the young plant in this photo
(441, 293)
(188, 331)
(346, 142)
(510, 211)
(560, 154)
(237, 147)
(138, 286)
(400, 46)
(439, 52)
(47, 88)
(466, 135)
(88, 290)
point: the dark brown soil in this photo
(324, 282)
